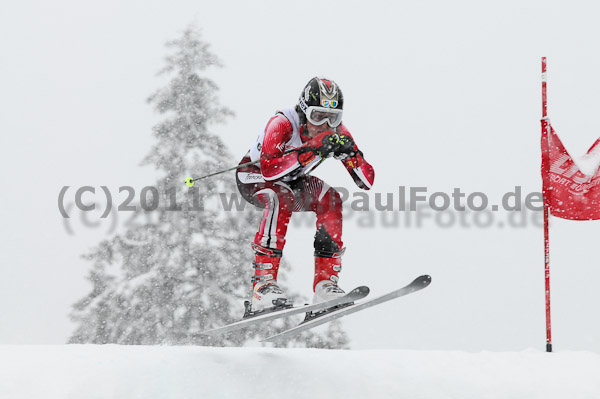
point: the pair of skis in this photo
(323, 312)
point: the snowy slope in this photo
(87, 371)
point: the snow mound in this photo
(124, 372)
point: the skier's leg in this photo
(328, 246)
(268, 245)
(277, 201)
(325, 201)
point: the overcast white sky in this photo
(438, 94)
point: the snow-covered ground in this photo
(125, 372)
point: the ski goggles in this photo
(319, 115)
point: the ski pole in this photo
(190, 180)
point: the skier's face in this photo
(314, 130)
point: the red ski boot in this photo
(326, 278)
(266, 293)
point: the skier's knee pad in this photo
(326, 246)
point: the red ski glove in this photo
(348, 152)
(324, 145)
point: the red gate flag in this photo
(568, 192)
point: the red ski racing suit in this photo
(280, 184)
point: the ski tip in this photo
(423, 280)
(361, 291)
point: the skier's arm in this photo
(361, 171)
(274, 164)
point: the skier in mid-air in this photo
(293, 143)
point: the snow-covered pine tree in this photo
(188, 270)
